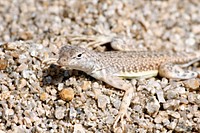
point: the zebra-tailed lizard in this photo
(112, 66)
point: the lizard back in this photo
(137, 61)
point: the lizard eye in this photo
(79, 55)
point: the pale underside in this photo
(131, 75)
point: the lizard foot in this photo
(120, 117)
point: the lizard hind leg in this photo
(173, 71)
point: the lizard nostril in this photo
(59, 62)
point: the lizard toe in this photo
(120, 119)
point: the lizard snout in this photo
(62, 61)
(59, 61)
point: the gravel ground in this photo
(38, 97)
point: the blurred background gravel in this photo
(37, 97)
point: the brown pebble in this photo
(26, 35)
(85, 85)
(43, 96)
(22, 83)
(14, 54)
(66, 94)
(3, 64)
(192, 83)
(10, 46)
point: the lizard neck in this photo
(89, 63)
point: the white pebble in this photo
(60, 86)
(9, 112)
(78, 128)
(60, 112)
(72, 113)
(152, 106)
(160, 96)
(190, 41)
(103, 100)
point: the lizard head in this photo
(74, 57)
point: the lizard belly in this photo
(130, 75)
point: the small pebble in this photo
(27, 122)
(190, 41)
(115, 102)
(85, 85)
(172, 125)
(47, 80)
(171, 94)
(25, 36)
(193, 84)
(60, 86)
(161, 117)
(23, 83)
(191, 97)
(110, 119)
(102, 101)
(171, 104)
(160, 96)
(43, 96)
(180, 90)
(60, 112)
(11, 46)
(9, 112)
(78, 128)
(72, 113)
(97, 93)
(27, 74)
(3, 64)
(173, 114)
(22, 67)
(66, 94)
(152, 106)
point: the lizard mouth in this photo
(59, 62)
(65, 67)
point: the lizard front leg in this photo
(118, 83)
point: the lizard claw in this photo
(120, 117)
